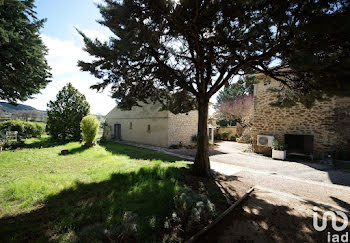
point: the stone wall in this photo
(166, 128)
(182, 127)
(321, 121)
(134, 124)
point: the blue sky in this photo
(65, 49)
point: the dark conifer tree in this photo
(65, 114)
(23, 67)
(190, 49)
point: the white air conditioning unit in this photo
(265, 140)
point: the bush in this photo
(24, 128)
(225, 134)
(218, 136)
(39, 129)
(89, 126)
(245, 138)
(193, 211)
(276, 145)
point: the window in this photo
(130, 125)
(148, 128)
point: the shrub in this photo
(245, 138)
(276, 145)
(13, 125)
(89, 126)
(193, 211)
(39, 129)
(24, 128)
(225, 134)
(218, 136)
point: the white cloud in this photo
(102, 34)
(100, 103)
(98, 1)
(62, 57)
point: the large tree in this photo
(23, 68)
(65, 114)
(190, 49)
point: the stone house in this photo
(148, 124)
(320, 131)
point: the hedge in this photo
(24, 128)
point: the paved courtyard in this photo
(315, 182)
(231, 153)
(307, 181)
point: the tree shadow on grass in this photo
(78, 150)
(87, 211)
(148, 192)
(45, 142)
(137, 153)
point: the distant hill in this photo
(23, 112)
(6, 107)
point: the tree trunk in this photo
(201, 164)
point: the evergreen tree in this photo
(65, 114)
(191, 49)
(23, 68)
(244, 86)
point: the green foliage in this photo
(89, 126)
(194, 48)
(276, 145)
(193, 211)
(23, 68)
(226, 123)
(65, 114)
(217, 136)
(244, 86)
(24, 128)
(225, 134)
(216, 44)
(319, 67)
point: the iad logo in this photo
(333, 216)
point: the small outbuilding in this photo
(148, 124)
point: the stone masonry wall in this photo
(182, 127)
(321, 121)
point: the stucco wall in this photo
(140, 117)
(182, 127)
(319, 121)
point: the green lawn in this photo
(48, 196)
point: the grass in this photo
(48, 196)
